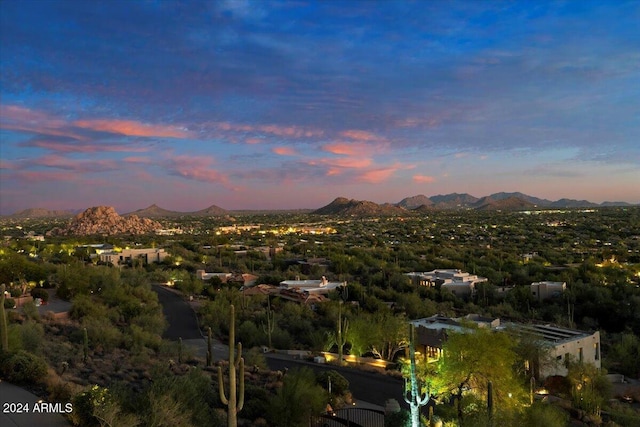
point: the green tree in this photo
(475, 357)
(624, 355)
(298, 398)
(590, 389)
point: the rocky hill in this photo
(508, 204)
(105, 220)
(497, 201)
(453, 201)
(343, 206)
(155, 211)
(212, 210)
(415, 202)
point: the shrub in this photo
(101, 333)
(339, 384)
(32, 335)
(40, 293)
(23, 367)
(9, 303)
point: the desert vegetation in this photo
(108, 356)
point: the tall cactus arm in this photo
(241, 391)
(223, 398)
(238, 355)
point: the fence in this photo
(349, 417)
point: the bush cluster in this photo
(22, 367)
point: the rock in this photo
(104, 220)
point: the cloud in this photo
(139, 160)
(271, 129)
(361, 135)
(346, 163)
(377, 176)
(132, 128)
(5, 164)
(66, 145)
(76, 165)
(195, 168)
(348, 149)
(23, 119)
(423, 179)
(43, 176)
(284, 151)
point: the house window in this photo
(580, 355)
(596, 346)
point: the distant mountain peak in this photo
(344, 206)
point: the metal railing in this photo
(349, 417)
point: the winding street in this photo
(374, 388)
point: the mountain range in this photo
(344, 206)
(154, 211)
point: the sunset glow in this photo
(189, 104)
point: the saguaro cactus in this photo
(235, 399)
(4, 335)
(85, 345)
(271, 324)
(209, 349)
(412, 394)
(341, 334)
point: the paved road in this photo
(181, 318)
(13, 398)
(372, 387)
(183, 323)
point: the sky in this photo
(290, 104)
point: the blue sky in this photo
(289, 104)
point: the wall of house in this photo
(587, 349)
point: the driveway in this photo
(183, 323)
(13, 398)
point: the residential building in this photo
(460, 283)
(322, 286)
(127, 256)
(545, 290)
(562, 344)
(243, 279)
(204, 276)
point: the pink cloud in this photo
(423, 179)
(427, 122)
(377, 175)
(196, 168)
(139, 160)
(277, 130)
(18, 118)
(5, 164)
(284, 151)
(78, 165)
(253, 140)
(347, 149)
(44, 176)
(73, 147)
(132, 128)
(346, 162)
(361, 135)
